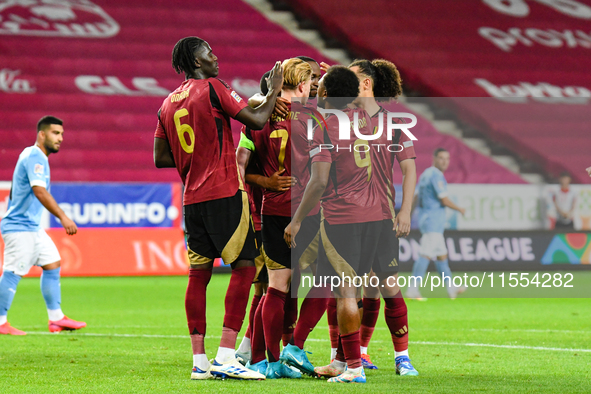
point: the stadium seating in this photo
(109, 89)
(443, 47)
(94, 83)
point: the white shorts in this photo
(22, 250)
(433, 245)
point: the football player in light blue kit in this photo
(432, 198)
(25, 243)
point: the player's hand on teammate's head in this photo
(589, 171)
(324, 67)
(281, 107)
(279, 183)
(275, 79)
(69, 226)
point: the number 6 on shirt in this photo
(181, 129)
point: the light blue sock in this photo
(8, 283)
(50, 288)
(420, 267)
(443, 268)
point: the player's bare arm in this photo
(588, 171)
(402, 220)
(257, 118)
(50, 204)
(275, 182)
(446, 202)
(162, 154)
(280, 105)
(314, 190)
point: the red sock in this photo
(351, 349)
(289, 318)
(253, 308)
(397, 321)
(340, 356)
(197, 343)
(228, 338)
(333, 322)
(195, 300)
(257, 341)
(273, 321)
(371, 311)
(237, 297)
(311, 312)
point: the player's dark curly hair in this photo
(387, 83)
(183, 54)
(342, 86)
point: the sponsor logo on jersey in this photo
(63, 18)
(236, 96)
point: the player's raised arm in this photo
(256, 118)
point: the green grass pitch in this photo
(136, 341)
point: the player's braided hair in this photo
(387, 83)
(342, 86)
(183, 54)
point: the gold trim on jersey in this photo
(235, 245)
(195, 259)
(240, 183)
(269, 262)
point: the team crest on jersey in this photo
(236, 96)
(38, 169)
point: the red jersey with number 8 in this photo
(195, 119)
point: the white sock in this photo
(402, 353)
(339, 364)
(333, 353)
(244, 345)
(2, 320)
(55, 314)
(200, 361)
(355, 371)
(224, 355)
(363, 350)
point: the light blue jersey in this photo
(431, 189)
(24, 209)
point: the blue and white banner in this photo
(119, 205)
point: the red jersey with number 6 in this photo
(195, 119)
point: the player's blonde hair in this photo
(295, 71)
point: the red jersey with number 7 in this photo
(195, 119)
(272, 148)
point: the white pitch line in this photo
(523, 347)
(555, 349)
(541, 331)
